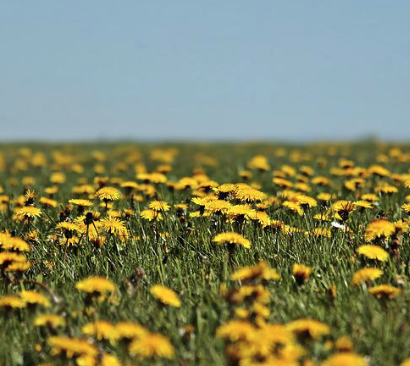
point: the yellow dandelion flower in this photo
(379, 229)
(386, 189)
(369, 197)
(259, 162)
(151, 215)
(406, 208)
(71, 346)
(48, 202)
(156, 178)
(51, 190)
(385, 291)
(49, 320)
(259, 271)
(81, 202)
(159, 206)
(283, 183)
(293, 206)
(12, 302)
(233, 239)
(343, 208)
(165, 296)
(129, 185)
(7, 258)
(114, 226)
(301, 272)
(152, 345)
(28, 212)
(235, 330)
(68, 226)
(363, 204)
(35, 298)
(100, 329)
(366, 274)
(130, 330)
(306, 201)
(322, 181)
(310, 327)
(324, 196)
(246, 293)
(344, 344)
(379, 170)
(14, 244)
(109, 360)
(96, 286)
(217, 206)
(373, 252)
(239, 212)
(246, 193)
(18, 267)
(401, 226)
(108, 194)
(345, 359)
(30, 196)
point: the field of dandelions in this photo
(204, 254)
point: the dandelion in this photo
(249, 293)
(406, 208)
(30, 196)
(71, 346)
(49, 320)
(373, 252)
(34, 298)
(28, 213)
(151, 215)
(259, 271)
(159, 206)
(365, 275)
(96, 286)
(14, 244)
(379, 229)
(294, 206)
(343, 209)
(345, 359)
(152, 345)
(48, 202)
(81, 204)
(8, 258)
(384, 291)
(308, 327)
(245, 193)
(130, 330)
(115, 227)
(306, 201)
(301, 273)
(12, 302)
(100, 329)
(18, 267)
(232, 238)
(107, 194)
(260, 163)
(236, 330)
(165, 296)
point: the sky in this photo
(204, 70)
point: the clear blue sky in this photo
(223, 69)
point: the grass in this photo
(178, 251)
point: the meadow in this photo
(205, 254)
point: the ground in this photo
(213, 253)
